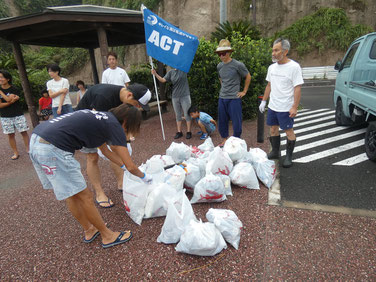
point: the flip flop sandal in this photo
(105, 202)
(92, 238)
(14, 157)
(118, 240)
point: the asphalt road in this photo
(330, 167)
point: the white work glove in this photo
(262, 106)
(148, 179)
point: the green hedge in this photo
(328, 28)
(203, 77)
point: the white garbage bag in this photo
(129, 147)
(227, 223)
(176, 219)
(247, 158)
(209, 189)
(135, 193)
(193, 175)
(179, 152)
(226, 183)
(156, 203)
(167, 160)
(201, 163)
(207, 145)
(196, 152)
(257, 155)
(244, 176)
(235, 147)
(175, 176)
(201, 239)
(219, 162)
(266, 171)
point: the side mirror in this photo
(337, 66)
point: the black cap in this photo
(140, 93)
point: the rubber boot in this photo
(275, 141)
(289, 150)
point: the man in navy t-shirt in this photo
(52, 147)
(103, 97)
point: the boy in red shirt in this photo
(45, 105)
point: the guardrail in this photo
(325, 72)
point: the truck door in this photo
(344, 77)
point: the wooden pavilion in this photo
(84, 26)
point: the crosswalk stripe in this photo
(330, 152)
(311, 112)
(329, 123)
(326, 141)
(303, 110)
(313, 116)
(319, 133)
(353, 160)
(313, 121)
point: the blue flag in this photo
(169, 44)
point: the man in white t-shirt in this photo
(284, 89)
(114, 74)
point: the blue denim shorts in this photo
(65, 109)
(56, 169)
(279, 118)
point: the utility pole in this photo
(223, 11)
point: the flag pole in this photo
(155, 82)
(156, 94)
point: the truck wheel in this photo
(370, 141)
(340, 117)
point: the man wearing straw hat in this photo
(230, 73)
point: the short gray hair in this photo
(284, 42)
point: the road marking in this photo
(313, 116)
(353, 160)
(330, 152)
(303, 110)
(319, 133)
(326, 141)
(329, 123)
(313, 121)
(311, 112)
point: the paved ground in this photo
(41, 241)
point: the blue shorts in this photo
(56, 169)
(279, 118)
(65, 109)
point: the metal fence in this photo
(326, 72)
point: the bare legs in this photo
(119, 173)
(26, 140)
(95, 179)
(13, 144)
(82, 208)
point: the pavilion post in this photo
(103, 45)
(94, 66)
(25, 83)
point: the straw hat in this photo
(224, 45)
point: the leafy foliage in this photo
(126, 4)
(37, 77)
(328, 28)
(244, 28)
(32, 6)
(141, 74)
(203, 76)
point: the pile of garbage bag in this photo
(207, 172)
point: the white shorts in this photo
(10, 124)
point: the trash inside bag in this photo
(175, 176)
(244, 176)
(135, 193)
(156, 203)
(235, 147)
(201, 239)
(209, 189)
(219, 162)
(179, 152)
(207, 145)
(176, 219)
(227, 223)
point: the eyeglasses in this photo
(222, 54)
